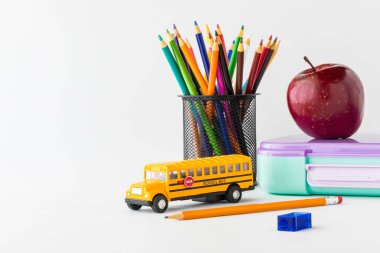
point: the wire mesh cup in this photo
(219, 125)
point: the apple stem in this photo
(307, 60)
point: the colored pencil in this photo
(209, 131)
(193, 66)
(209, 40)
(230, 51)
(239, 71)
(265, 66)
(174, 67)
(247, 46)
(183, 87)
(232, 65)
(202, 48)
(254, 66)
(191, 49)
(224, 70)
(275, 51)
(221, 36)
(238, 130)
(213, 69)
(256, 208)
(263, 56)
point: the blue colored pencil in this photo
(230, 50)
(202, 48)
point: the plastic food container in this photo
(298, 165)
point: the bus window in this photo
(222, 169)
(230, 168)
(207, 171)
(214, 170)
(155, 175)
(245, 166)
(191, 172)
(183, 173)
(199, 172)
(173, 175)
(237, 167)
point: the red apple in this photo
(327, 101)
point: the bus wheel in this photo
(233, 194)
(160, 203)
(134, 206)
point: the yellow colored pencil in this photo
(274, 52)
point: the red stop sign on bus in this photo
(188, 181)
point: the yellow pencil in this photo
(255, 208)
(274, 52)
(209, 40)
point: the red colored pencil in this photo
(254, 66)
(263, 56)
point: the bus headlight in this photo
(128, 193)
(146, 195)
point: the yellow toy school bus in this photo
(212, 178)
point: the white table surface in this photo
(81, 222)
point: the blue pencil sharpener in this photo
(293, 221)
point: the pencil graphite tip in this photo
(242, 27)
(174, 27)
(217, 26)
(159, 37)
(167, 31)
(216, 33)
(166, 217)
(195, 22)
(261, 42)
(270, 37)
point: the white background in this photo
(87, 98)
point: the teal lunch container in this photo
(298, 165)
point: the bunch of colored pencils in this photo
(217, 79)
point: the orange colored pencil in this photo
(256, 208)
(193, 65)
(213, 68)
(191, 50)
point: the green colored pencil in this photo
(231, 67)
(174, 66)
(193, 92)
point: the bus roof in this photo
(202, 162)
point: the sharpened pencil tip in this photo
(159, 37)
(167, 31)
(166, 217)
(270, 37)
(217, 26)
(174, 27)
(242, 27)
(195, 22)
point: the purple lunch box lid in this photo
(301, 145)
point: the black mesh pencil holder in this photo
(219, 125)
